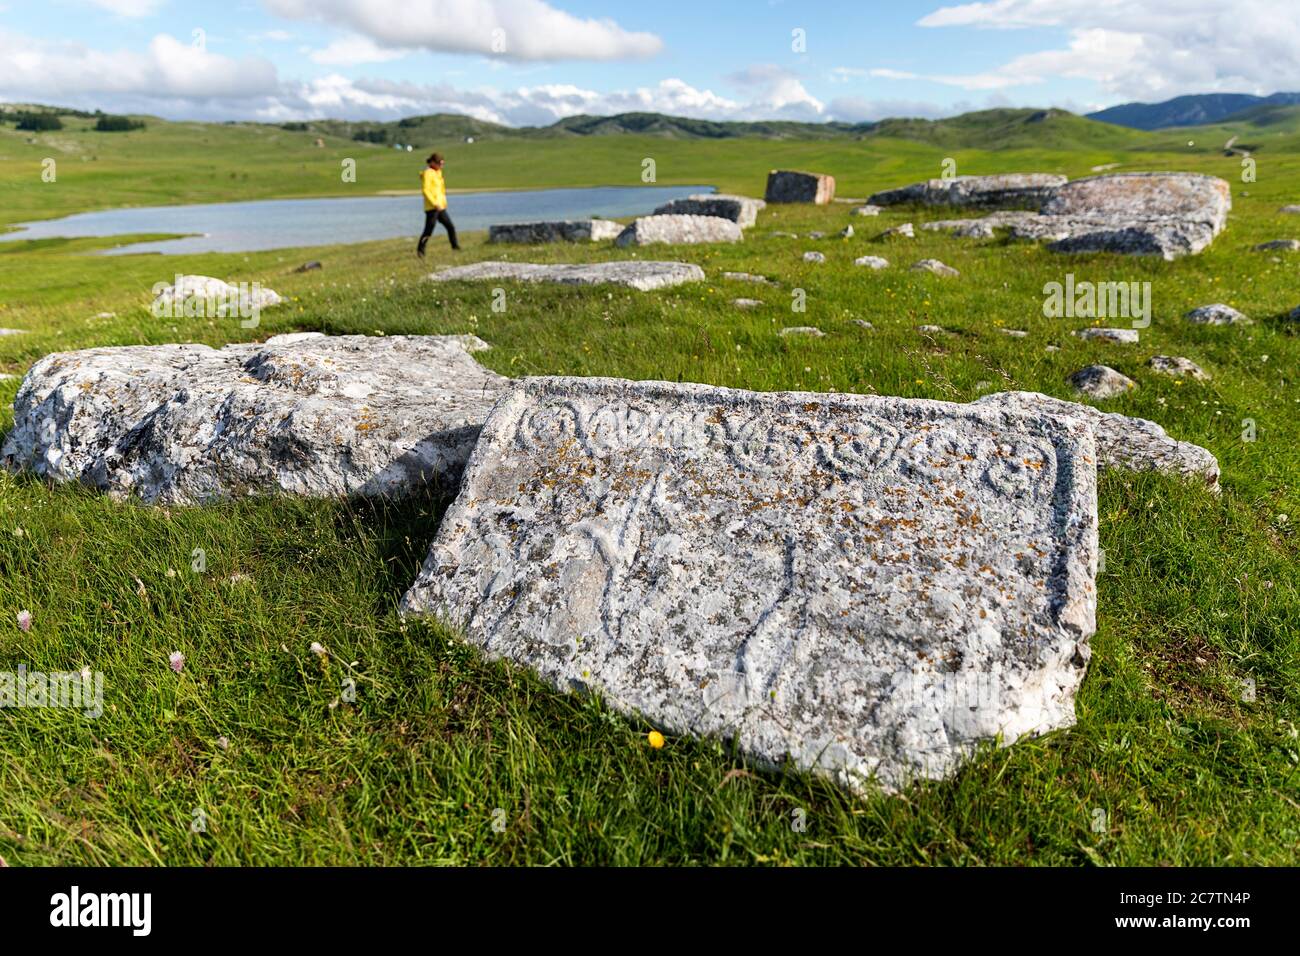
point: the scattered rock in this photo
(872, 262)
(13, 331)
(1217, 314)
(1022, 190)
(1279, 245)
(742, 210)
(791, 186)
(814, 257)
(932, 329)
(747, 303)
(936, 267)
(862, 323)
(184, 294)
(679, 230)
(757, 573)
(905, 231)
(1178, 367)
(867, 210)
(1051, 348)
(317, 417)
(803, 330)
(106, 315)
(747, 277)
(1101, 381)
(642, 276)
(311, 266)
(784, 235)
(1134, 444)
(1106, 167)
(816, 235)
(1014, 333)
(571, 230)
(1125, 336)
(1290, 210)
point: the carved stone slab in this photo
(863, 586)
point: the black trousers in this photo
(431, 219)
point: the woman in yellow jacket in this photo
(435, 203)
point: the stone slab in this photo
(315, 416)
(570, 230)
(1007, 190)
(785, 185)
(679, 230)
(862, 586)
(742, 210)
(642, 276)
(1134, 444)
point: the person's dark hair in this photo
(434, 158)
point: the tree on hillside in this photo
(117, 124)
(39, 122)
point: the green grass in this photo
(1199, 593)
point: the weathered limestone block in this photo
(742, 210)
(639, 275)
(1008, 190)
(679, 230)
(867, 587)
(315, 416)
(572, 230)
(1135, 444)
(785, 185)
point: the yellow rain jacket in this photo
(435, 191)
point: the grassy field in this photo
(1199, 594)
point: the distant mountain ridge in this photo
(1262, 118)
(996, 128)
(1201, 109)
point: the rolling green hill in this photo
(1199, 597)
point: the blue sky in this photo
(532, 61)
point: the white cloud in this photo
(778, 92)
(1140, 49)
(174, 79)
(354, 50)
(857, 109)
(886, 74)
(511, 29)
(128, 8)
(52, 72)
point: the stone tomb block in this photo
(862, 586)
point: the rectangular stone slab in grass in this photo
(742, 210)
(867, 587)
(305, 414)
(571, 230)
(642, 276)
(787, 185)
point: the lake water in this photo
(281, 223)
